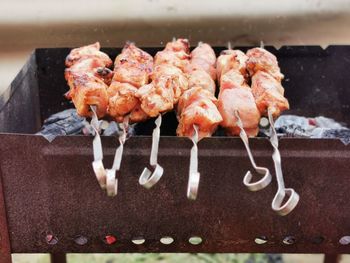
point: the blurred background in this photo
(26, 25)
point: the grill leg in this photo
(331, 258)
(58, 258)
(5, 258)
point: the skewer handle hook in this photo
(194, 175)
(278, 204)
(149, 178)
(247, 180)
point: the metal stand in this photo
(58, 258)
(332, 258)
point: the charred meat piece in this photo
(236, 95)
(268, 93)
(89, 51)
(87, 90)
(133, 68)
(266, 82)
(260, 59)
(168, 79)
(203, 58)
(229, 60)
(92, 65)
(238, 99)
(197, 105)
(175, 53)
(88, 77)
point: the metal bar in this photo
(225, 214)
(58, 258)
(5, 247)
(332, 258)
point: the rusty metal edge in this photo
(5, 245)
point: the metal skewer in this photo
(247, 181)
(97, 164)
(107, 177)
(147, 178)
(112, 181)
(194, 175)
(282, 192)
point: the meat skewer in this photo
(88, 77)
(238, 109)
(133, 67)
(132, 70)
(269, 97)
(197, 111)
(160, 96)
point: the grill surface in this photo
(50, 189)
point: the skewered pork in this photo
(88, 77)
(89, 51)
(235, 94)
(266, 82)
(168, 79)
(269, 97)
(259, 59)
(231, 59)
(132, 70)
(197, 105)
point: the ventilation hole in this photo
(289, 240)
(166, 240)
(260, 240)
(345, 240)
(109, 239)
(80, 240)
(138, 240)
(317, 240)
(51, 239)
(264, 122)
(195, 240)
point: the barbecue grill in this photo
(51, 202)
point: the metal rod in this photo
(107, 177)
(97, 164)
(148, 178)
(194, 175)
(112, 180)
(247, 181)
(282, 192)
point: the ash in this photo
(317, 127)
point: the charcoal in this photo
(66, 122)
(317, 128)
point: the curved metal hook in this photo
(260, 184)
(97, 164)
(247, 180)
(107, 177)
(289, 205)
(282, 192)
(147, 178)
(194, 175)
(112, 180)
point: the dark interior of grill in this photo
(316, 83)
